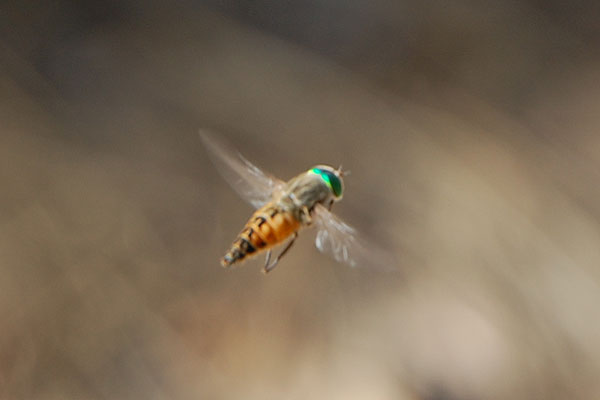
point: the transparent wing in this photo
(346, 245)
(249, 181)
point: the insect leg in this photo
(269, 267)
(267, 260)
(307, 219)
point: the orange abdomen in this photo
(267, 227)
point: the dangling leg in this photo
(267, 259)
(269, 267)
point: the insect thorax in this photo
(305, 190)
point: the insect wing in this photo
(249, 181)
(345, 244)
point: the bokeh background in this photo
(470, 128)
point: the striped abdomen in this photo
(268, 226)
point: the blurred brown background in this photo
(471, 129)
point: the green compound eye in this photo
(331, 179)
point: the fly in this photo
(284, 208)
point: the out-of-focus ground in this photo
(470, 128)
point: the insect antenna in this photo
(342, 173)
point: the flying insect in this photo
(285, 208)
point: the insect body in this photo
(283, 208)
(285, 215)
